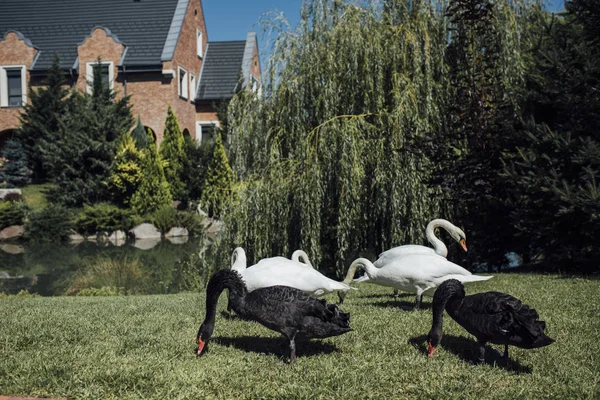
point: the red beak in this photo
(463, 243)
(201, 344)
(431, 349)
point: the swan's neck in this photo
(221, 280)
(439, 246)
(448, 295)
(301, 256)
(238, 259)
(365, 264)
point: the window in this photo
(106, 71)
(192, 87)
(183, 83)
(199, 42)
(206, 131)
(256, 86)
(13, 88)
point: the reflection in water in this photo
(59, 269)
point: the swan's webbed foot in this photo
(292, 351)
(481, 358)
(341, 296)
(395, 295)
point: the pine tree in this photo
(153, 191)
(14, 171)
(127, 172)
(218, 185)
(555, 175)
(81, 159)
(172, 151)
(41, 117)
(139, 135)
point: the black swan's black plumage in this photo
(491, 317)
(286, 310)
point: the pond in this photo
(58, 269)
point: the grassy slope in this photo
(35, 195)
(142, 347)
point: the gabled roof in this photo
(149, 28)
(226, 69)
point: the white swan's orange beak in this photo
(201, 344)
(431, 349)
(463, 243)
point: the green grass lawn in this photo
(142, 347)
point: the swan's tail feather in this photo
(467, 278)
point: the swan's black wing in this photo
(287, 309)
(503, 319)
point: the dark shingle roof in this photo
(222, 70)
(61, 25)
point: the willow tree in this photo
(323, 162)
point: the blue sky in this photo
(232, 19)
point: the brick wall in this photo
(14, 51)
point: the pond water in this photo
(61, 269)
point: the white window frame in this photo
(4, 85)
(183, 91)
(192, 87)
(199, 43)
(200, 124)
(89, 74)
(256, 86)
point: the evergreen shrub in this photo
(103, 217)
(53, 223)
(12, 213)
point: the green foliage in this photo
(14, 170)
(173, 152)
(12, 213)
(35, 195)
(198, 160)
(103, 217)
(139, 135)
(141, 347)
(218, 184)
(153, 191)
(191, 221)
(22, 293)
(555, 174)
(53, 223)
(127, 171)
(165, 218)
(109, 276)
(41, 118)
(81, 159)
(323, 162)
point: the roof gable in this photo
(61, 25)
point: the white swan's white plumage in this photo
(439, 247)
(301, 257)
(275, 271)
(414, 273)
(238, 259)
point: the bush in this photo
(12, 213)
(191, 221)
(164, 218)
(51, 224)
(103, 291)
(106, 276)
(103, 217)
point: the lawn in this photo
(142, 347)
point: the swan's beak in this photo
(201, 344)
(431, 349)
(463, 243)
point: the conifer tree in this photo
(153, 191)
(172, 151)
(139, 135)
(41, 116)
(81, 159)
(218, 185)
(14, 170)
(127, 172)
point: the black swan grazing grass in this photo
(283, 309)
(492, 317)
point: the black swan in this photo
(286, 310)
(491, 317)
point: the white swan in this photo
(439, 247)
(301, 257)
(415, 273)
(275, 271)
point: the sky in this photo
(232, 19)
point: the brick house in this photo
(157, 51)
